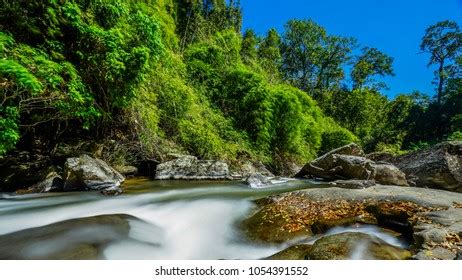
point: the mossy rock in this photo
(355, 245)
(297, 252)
(261, 227)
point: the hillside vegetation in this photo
(180, 76)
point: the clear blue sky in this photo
(393, 26)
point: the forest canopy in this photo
(181, 76)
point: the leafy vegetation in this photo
(179, 76)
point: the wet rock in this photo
(257, 180)
(433, 216)
(437, 167)
(297, 252)
(355, 245)
(459, 256)
(353, 184)
(191, 168)
(436, 253)
(87, 173)
(388, 174)
(83, 238)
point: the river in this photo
(168, 220)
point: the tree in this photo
(443, 41)
(249, 46)
(312, 60)
(371, 62)
(269, 53)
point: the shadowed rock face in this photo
(87, 173)
(191, 168)
(83, 238)
(437, 167)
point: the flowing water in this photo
(168, 220)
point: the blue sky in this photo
(393, 26)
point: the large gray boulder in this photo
(337, 166)
(350, 163)
(87, 173)
(437, 167)
(389, 174)
(191, 168)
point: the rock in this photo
(52, 182)
(337, 166)
(83, 238)
(355, 245)
(459, 256)
(248, 168)
(428, 218)
(296, 252)
(437, 167)
(87, 173)
(20, 170)
(436, 253)
(126, 170)
(349, 163)
(353, 184)
(191, 168)
(380, 156)
(257, 180)
(388, 174)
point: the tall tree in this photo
(443, 41)
(269, 53)
(371, 62)
(249, 46)
(312, 60)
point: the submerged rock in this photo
(437, 167)
(355, 245)
(87, 173)
(191, 168)
(83, 238)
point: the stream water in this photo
(170, 220)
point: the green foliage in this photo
(370, 63)
(455, 136)
(335, 139)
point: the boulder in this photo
(87, 173)
(388, 174)
(349, 163)
(191, 168)
(437, 167)
(126, 170)
(338, 166)
(355, 245)
(76, 239)
(257, 180)
(248, 169)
